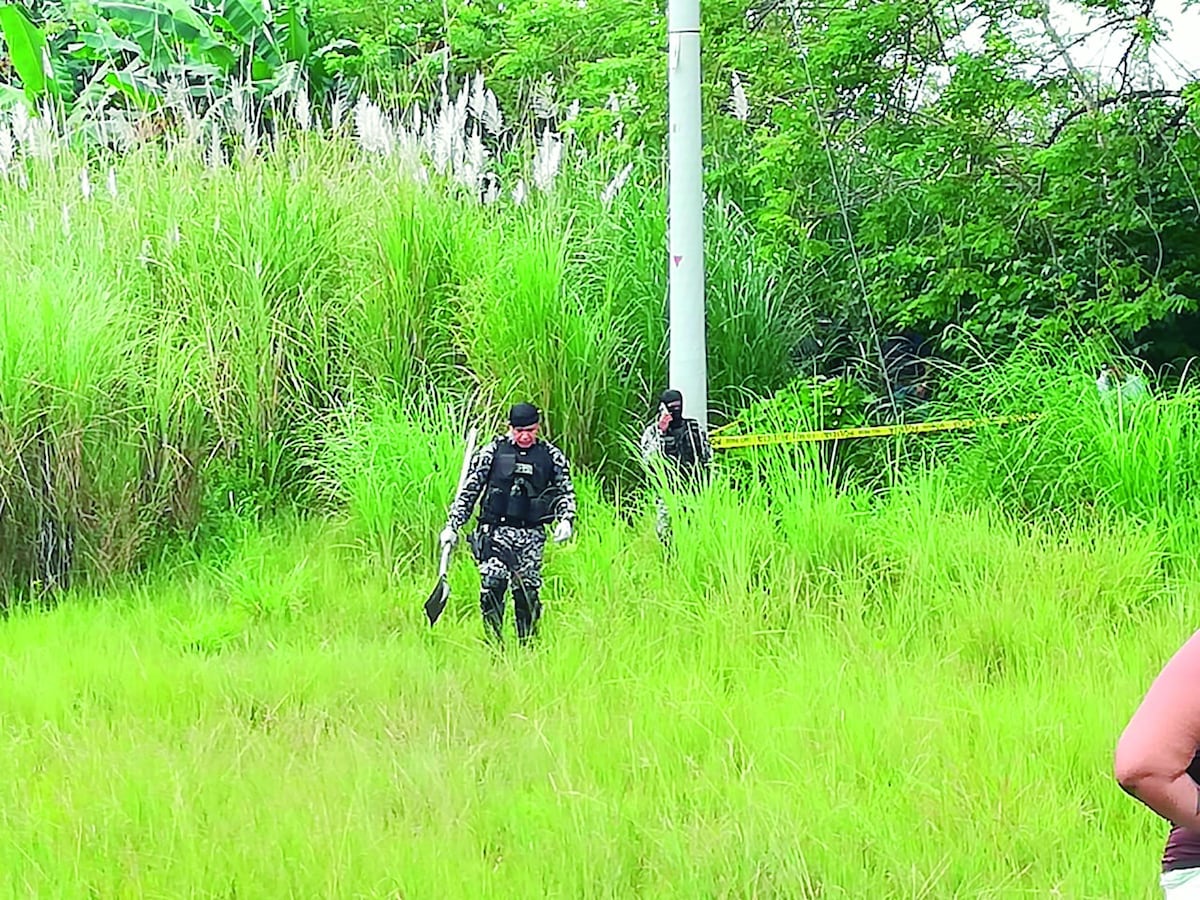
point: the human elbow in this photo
(1133, 769)
(1132, 777)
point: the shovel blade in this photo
(437, 600)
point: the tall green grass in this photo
(821, 694)
(393, 469)
(1087, 454)
(824, 689)
(172, 352)
(169, 349)
(1080, 456)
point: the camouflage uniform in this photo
(657, 460)
(505, 551)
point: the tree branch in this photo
(1158, 94)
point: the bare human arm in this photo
(1161, 739)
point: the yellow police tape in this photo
(721, 441)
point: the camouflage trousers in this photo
(682, 492)
(662, 518)
(662, 515)
(511, 554)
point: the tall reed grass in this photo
(178, 320)
(819, 694)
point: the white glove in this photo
(448, 537)
(562, 531)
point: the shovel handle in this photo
(466, 463)
(462, 479)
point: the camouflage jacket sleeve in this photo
(564, 501)
(651, 442)
(706, 453)
(477, 476)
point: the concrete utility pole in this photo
(688, 363)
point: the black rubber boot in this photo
(528, 609)
(491, 604)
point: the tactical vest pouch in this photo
(540, 508)
(518, 502)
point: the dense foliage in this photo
(221, 248)
(950, 168)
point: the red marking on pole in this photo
(678, 259)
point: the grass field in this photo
(914, 703)
(229, 404)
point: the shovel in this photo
(437, 600)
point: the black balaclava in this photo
(673, 401)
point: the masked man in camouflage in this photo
(522, 483)
(675, 450)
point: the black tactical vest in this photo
(519, 491)
(681, 444)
